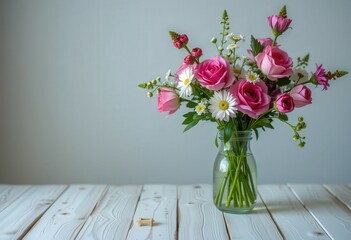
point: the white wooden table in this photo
(180, 212)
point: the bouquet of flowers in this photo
(239, 93)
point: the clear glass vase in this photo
(234, 174)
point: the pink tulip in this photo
(168, 101)
(301, 95)
(279, 24)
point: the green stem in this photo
(238, 167)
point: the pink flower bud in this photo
(301, 95)
(196, 52)
(184, 38)
(168, 101)
(285, 103)
(189, 60)
(178, 44)
(279, 24)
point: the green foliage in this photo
(228, 131)
(283, 81)
(142, 85)
(256, 46)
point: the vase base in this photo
(232, 210)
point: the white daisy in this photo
(223, 105)
(200, 108)
(252, 77)
(185, 78)
(232, 46)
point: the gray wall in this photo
(71, 111)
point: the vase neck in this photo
(238, 141)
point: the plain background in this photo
(71, 111)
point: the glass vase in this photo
(234, 174)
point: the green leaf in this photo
(142, 85)
(256, 46)
(187, 121)
(216, 140)
(228, 131)
(283, 81)
(256, 133)
(342, 73)
(191, 104)
(189, 114)
(283, 117)
(191, 125)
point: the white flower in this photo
(185, 78)
(222, 105)
(239, 72)
(204, 101)
(252, 77)
(300, 75)
(230, 36)
(200, 108)
(232, 46)
(168, 74)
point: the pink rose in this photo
(252, 99)
(285, 103)
(215, 73)
(279, 24)
(168, 101)
(274, 62)
(301, 95)
(265, 41)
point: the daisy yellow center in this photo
(252, 77)
(223, 105)
(200, 108)
(186, 82)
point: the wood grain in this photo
(113, 216)
(160, 203)
(294, 221)
(17, 218)
(67, 215)
(341, 192)
(333, 216)
(256, 225)
(9, 193)
(198, 217)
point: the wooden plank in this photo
(198, 217)
(113, 217)
(333, 216)
(256, 225)
(341, 192)
(293, 220)
(18, 217)
(9, 193)
(67, 215)
(160, 203)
